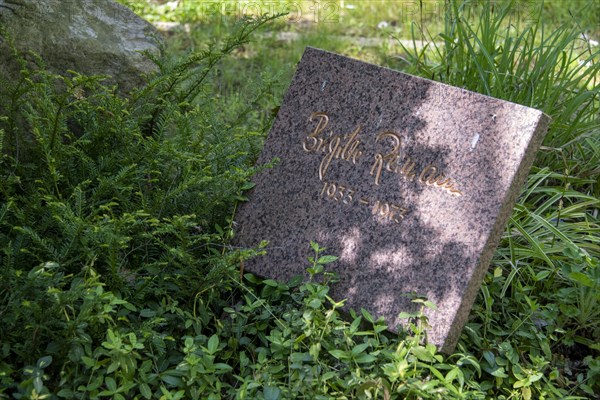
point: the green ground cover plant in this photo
(118, 280)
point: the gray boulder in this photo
(93, 37)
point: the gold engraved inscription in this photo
(430, 177)
(381, 209)
(338, 192)
(346, 147)
(389, 211)
(396, 161)
(390, 160)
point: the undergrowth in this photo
(112, 209)
(117, 279)
(540, 299)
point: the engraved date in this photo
(348, 195)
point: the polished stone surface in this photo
(410, 182)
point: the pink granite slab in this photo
(409, 181)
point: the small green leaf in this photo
(328, 375)
(315, 303)
(521, 383)
(422, 354)
(367, 315)
(111, 384)
(147, 313)
(38, 384)
(213, 344)
(542, 275)
(300, 358)
(587, 389)
(405, 315)
(145, 391)
(365, 358)
(536, 377)
(252, 278)
(272, 393)
(222, 367)
(318, 269)
(359, 348)
(430, 305)
(44, 362)
(362, 389)
(248, 185)
(582, 279)
(295, 281)
(95, 384)
(89, 362)
(327, 259)
(66, 393)
(339, 354)
(490, 358)
(499, 373)
(171, 380)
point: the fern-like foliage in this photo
(132, 191)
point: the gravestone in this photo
(410, 182)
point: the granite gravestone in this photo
(410, 182)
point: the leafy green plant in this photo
(116, 275)
(539, 298)
(114, 215)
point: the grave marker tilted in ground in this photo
(411, 182)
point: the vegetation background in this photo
(117, 279)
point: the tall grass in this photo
(542, 294)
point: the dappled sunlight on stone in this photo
(389, 260)
(349, 244)
(408, 181)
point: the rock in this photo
(409, 181)
(88, 36)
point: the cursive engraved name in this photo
(405, 166)
(346, 147)
(349, 148)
